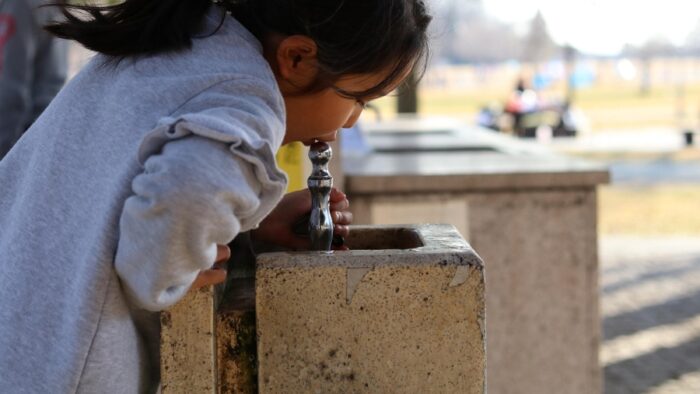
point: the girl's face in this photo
(319, 115)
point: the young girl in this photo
(160, 152)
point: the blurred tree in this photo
(539, 45)
(692, 42)
(657, 46)
(449, 16)
(570, 54)
(485, 40)
(408, 95)
(463, 33)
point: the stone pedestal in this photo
(531, 215)
(401, 312)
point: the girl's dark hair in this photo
(131, 27)
(353, 36)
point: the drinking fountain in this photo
(401, 311)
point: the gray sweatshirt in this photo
(114, 200)
(33, 66)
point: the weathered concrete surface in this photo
(373, 320)
(187, 348)
(541, 259)
(542, 297)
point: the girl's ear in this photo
(296, 60)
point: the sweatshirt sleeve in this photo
(208, 173)
(192, 196)
(189, 198)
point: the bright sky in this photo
(604, 26)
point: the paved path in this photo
(650, 287)
(650, 305)
(654, 171)
(647, 140)
(659, 144)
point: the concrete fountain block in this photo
(187, 344)
(402, 311)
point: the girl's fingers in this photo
(342, 217)
(209, 277)
(341, 205)
(217, 274)
(340, 230)
(223, 253)
(338, 200)
(337, 195)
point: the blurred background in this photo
(629, 70)
(626, 74)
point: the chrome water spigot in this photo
(320, 183)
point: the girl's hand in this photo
(215, 275)
(277, 227)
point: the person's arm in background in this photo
(33, 67)
(50, 63)
(17, 48)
